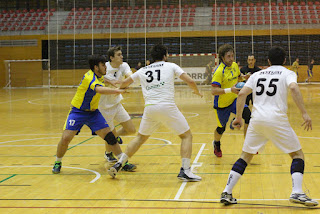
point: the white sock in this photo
(58, 159)
(185, 163)
(119, 155)
(124, 157)
(232, 181)
(297, 178)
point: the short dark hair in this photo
(111, 51)
(277, 55)
(223, 49)
(95, 60)
(158, 52)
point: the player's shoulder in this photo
(235, 65)
(220, 68)
(88, 76)
(125, 65)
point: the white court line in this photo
(102, 144)
(98, 175)
(214, 200)
(10, 101)
(27, 140)
(192, 167)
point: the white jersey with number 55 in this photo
(270, 93)
(157, 82)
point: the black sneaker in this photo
(129, 167)
(114, 169)
(302, 198)
(227, 199)
(119, 140)
(110, 157)
(57, 167)
(187, 175)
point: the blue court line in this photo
(8, 178)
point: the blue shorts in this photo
(223, 114)
(77, 118)
(310, 73)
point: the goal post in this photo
(194, 64)
(27, 73)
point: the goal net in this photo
(27, 73)
(195, 64)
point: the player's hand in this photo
(121, 91)
(197, 93)
(307, 122)
(237, 123)
(235, 90)
(247, 76)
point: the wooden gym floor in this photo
(31, 125)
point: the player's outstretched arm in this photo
(128, 81)
(297, 98)
(190, 82)
(106, 90)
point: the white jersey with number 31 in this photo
(157, 82)
(270, 93)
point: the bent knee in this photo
(185, 135)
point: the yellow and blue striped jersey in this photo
(86, 97)
(225, 77)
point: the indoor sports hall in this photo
(44, 50)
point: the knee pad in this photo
(220, 130)
(110, 139)
(297, 165)
(246, 115)
(239, 166)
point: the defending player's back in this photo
(157, 82)
(270, 92)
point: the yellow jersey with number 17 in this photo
(225, 77)
(87, 98)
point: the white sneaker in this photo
(187, 175)
(302, 198)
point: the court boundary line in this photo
(98, 175)
(194, 164)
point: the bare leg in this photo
(186, 144)
(217, 136)
(126, 129)
(297, 154)
(135, 144)
(66, 138)
(108, 147)
(114, 148)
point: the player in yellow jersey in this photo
(295, 66)
(84, 110)
(224, 79)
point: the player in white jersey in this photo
(157, 83)
(110, 105)
(270, 122)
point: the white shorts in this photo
(280, 134)
(168, 114)
(116, 112)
